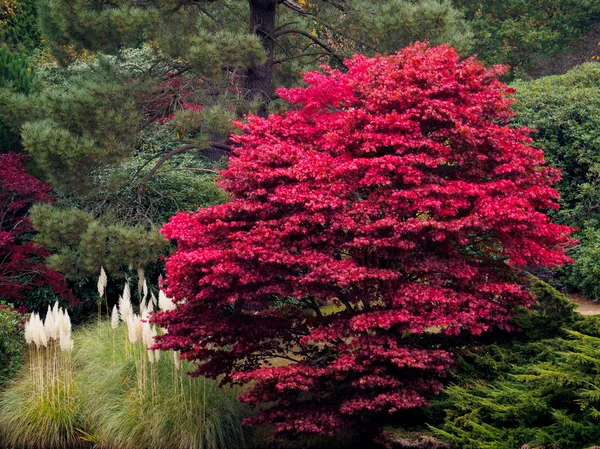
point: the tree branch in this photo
(281, 61)
(168, 155)
(309, 36)
(186, 169)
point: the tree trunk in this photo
(258, 77)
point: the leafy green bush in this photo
(11, 342)
(584, 274)
(565, 111)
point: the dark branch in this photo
(281, 61)
(168, 155)
(309, 36)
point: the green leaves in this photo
(11, 342)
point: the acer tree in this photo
(385, 213)
(22, 268)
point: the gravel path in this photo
(586, 307)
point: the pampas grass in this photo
(133, 403)
(113, 390)
(41, 408)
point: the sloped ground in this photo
(585, 50)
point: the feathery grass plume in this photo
(171, 411)
(114, 318)
(145, 291)
(102, 282)
(165, 303)
(41, 408)
(125, 307)
(141, 279)
(50, 325)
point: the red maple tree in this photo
(22, 267)
(392, 205)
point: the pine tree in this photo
(128, 124)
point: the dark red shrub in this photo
(391, 204)
(22, 267)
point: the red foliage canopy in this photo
(392, 202)
(22, 267)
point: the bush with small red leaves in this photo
(390, 208)
(22, 268)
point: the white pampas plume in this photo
(66, 343)
(138, 330)
(134, 329)
(157, 355)
(125, 307)
(131, 328)
(165, 303)
(43, 336)
(141, 278)
(64, 321)
(153, 301)
(176, 359)
(50, 326)
(28, 333)
(148, 334)
(56, 311)
(102, 282)
(145, 290)
(114, 318)
(34, 329)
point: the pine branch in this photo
(317, 41)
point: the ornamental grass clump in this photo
(41, 408)
(136, 398)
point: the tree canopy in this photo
(391, 200)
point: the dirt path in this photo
(585, 307)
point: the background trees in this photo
(392, 201)
(130, 121)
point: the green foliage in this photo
(32, 416)
(211, 53)
(15, 71)
(80, 244)
(540, 389)
(395, 24)
(16, 75)
(171, 411)
(584, 274)
(565, 111)
(11, 342)
(515, 32)
(92, 125)
(20, 30)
